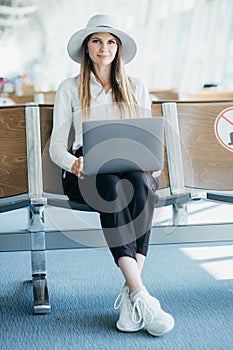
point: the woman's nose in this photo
(104, 46)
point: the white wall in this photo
(181, 43)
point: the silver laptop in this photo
(123, 145)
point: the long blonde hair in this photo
(122, 87)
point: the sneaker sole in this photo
(165, 332)
(129, 330)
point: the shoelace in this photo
(119, 299)
(141, 311)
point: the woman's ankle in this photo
(135, 288)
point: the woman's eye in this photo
(112, 42)
(95, 40)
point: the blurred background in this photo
(183, 45)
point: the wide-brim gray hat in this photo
(97, 24)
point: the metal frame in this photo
(220, 197)
(159, 235)
(36, 210)
(175, 163)
(14, 202)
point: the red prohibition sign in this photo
(223, 128)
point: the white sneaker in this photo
(126, 322)
(157, 321)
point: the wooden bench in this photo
(29, 179)
(46, 97)
(25, 136)
(164, 95)
(13, 158)
(52, 174)
(21, 100)
(207, 95)
(18, 188)
(208, 165)
(198, 164)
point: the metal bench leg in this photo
(175, 162)
(180, 214)
(39, 280)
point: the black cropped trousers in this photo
(125, 202)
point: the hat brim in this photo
(74, 47)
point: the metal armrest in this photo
(173, 199)
(227, 198)
(14, 202)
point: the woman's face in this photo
(102, 48)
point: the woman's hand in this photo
(77, 167)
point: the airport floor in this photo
(193, 281)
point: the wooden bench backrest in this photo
(52, 174)
(13, 151)
(210, 166)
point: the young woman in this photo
(102, 90)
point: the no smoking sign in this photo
(223, 128)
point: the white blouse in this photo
(67, 111)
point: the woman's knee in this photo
(106, 185)
(142, 182)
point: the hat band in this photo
(105, 26)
